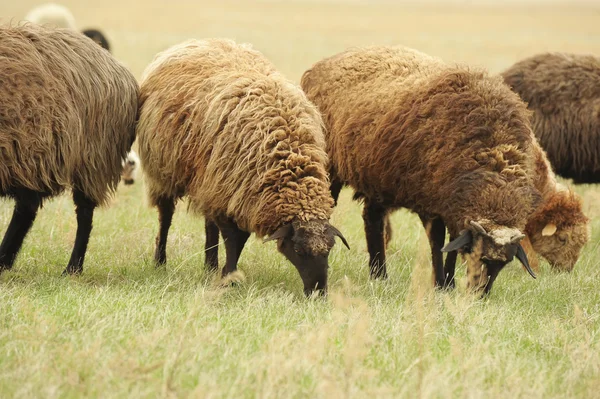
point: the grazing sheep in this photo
(98, 37)
(557, 230)
(67, 120)
(449, 143)
(563, 91)
(131, 164)
(219, 124)
(53, 15)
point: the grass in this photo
(126, 329)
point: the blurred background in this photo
(296, 33)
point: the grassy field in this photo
(126, 329)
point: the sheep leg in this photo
(235, 239)
(436, 231)
(336, 187)
(450, 267)
(84, 208)
(211, 248)
(373, 216)
(27, 204)
(166, 208)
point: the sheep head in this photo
(130, 166)
(307, 246)
(559, 230)
(487, 248)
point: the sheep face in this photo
(307, 246)
(130, 167)
(560, 230)
(487, 250)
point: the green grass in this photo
(126, 329)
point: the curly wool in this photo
(219, 124)
(563, 90)
(440, 140)
(52, 15)
(68, 113)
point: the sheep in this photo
(131, 165)
(67, 120)
(218, 124)
(563, 91)
(58, 16)
(98, 37)
(53, 15)
(557, 230)
(449, 143)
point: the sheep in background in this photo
(451, 144)
(53, 15)
(131, 165)
(563, 91)
(58, 16)
(220, 125)
(98, 37)
(67, 121)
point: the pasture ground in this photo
(126, 329)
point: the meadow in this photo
(127, 329)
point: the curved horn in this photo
(336, 232)
(465, 238)
(478, 227)
(281, 232)
(517, 238)
(523, 259)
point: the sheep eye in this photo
(563, 240)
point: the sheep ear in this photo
(336, 232)
(282, 232)
(549, 230)
(465, 238)
(523, 259)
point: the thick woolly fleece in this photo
(563, 91)
(219, 124)
(68, 113)
(406, 130)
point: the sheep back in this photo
(219, 124)
(563, 90)
(406, 130)
(52, 15)
(68, 112)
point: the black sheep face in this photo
(307, 246)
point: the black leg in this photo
(450, 267)
(436, 231)
(336, 187)
(84, 208)
(373, 216)
(27, 204)
(235, 239)
(387, 234)
(211, 248)
(166, 208)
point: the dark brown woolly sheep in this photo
(563, 91)
(219, 124)
(449, 143)
(67, 121)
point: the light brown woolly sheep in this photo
(452, 144)
(219, 124)
(67, 121)
(563, 91)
